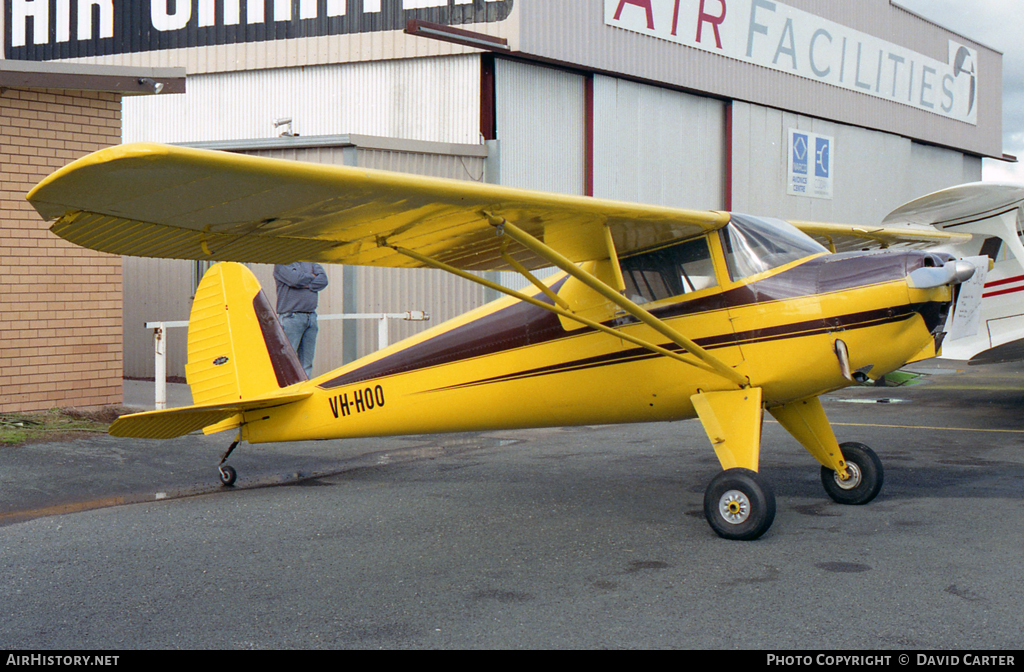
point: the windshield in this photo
(757, 244)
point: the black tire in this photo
(866, 476)
(739, 505)
(228, 475)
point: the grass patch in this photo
(57, 424)
(901, 378)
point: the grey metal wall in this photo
(433, 99)
(574, 32)
(155, 290)
(655, 145)
(873, 172)
(541, 124)
(541, 127)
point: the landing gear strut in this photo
(739, 505)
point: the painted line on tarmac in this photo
(944, 429)
(941, 429)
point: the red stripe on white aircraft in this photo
(1004, 281)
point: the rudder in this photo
(237, 349)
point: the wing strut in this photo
(562, 303)
(716, 365)
(547, 306)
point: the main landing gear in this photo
(865, 476)
(740, 505)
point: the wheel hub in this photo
(734, 506)
(855, 477)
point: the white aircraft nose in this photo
(951, 273)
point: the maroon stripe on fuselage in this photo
(794, 330)
(517, 326)
(521, 324)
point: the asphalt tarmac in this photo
(566, 538)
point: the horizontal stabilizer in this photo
(173, 422)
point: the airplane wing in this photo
(852, 237)
(175, 202)
(962, 204)
(938, 218)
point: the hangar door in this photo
(658, 146)
(540, 120)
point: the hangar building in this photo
(831, 111)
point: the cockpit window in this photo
(757, 244)
(669, 271)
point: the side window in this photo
(669, 271)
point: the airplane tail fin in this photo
(237, 349)
(239, 359)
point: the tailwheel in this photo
(865, 476)
(228, 475)
(739, 505)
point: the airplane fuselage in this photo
(513, 365)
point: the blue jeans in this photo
(301, 330)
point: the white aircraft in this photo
(987, 324)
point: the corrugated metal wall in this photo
(434, 99)
(541, 127)
(874, 172)
(570, 31)
(655, 145)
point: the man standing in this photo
(298, 285)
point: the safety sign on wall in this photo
(810, 164)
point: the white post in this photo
(382, 332)
(160, 347)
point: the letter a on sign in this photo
(646, 4)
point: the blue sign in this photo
(800, 146)
(821, 160)
(808, 149)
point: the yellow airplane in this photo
(656, 314)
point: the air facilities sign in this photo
(776, 36)
(38, 30)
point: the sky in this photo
(996, 24)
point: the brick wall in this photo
(60, 305)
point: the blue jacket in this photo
(297, 286)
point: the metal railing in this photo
(160, 341)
